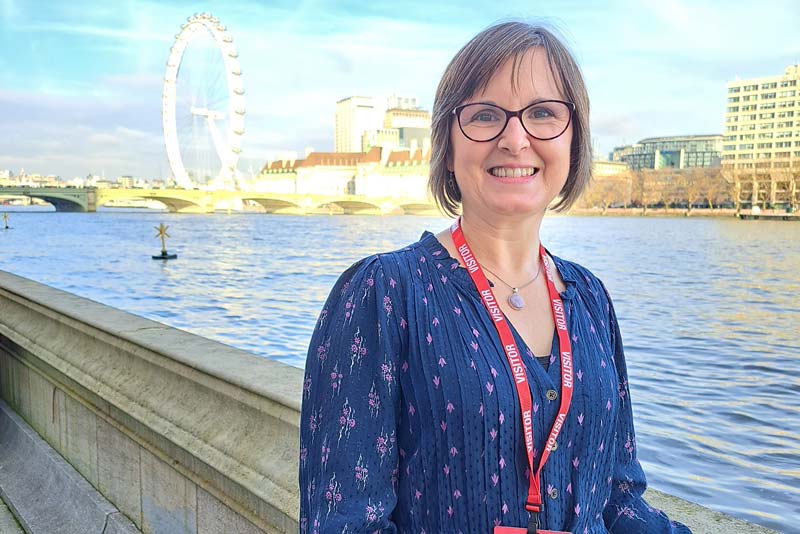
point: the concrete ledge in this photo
(46, 493)
(701, 520)
(8, 524)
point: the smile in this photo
(517, 172)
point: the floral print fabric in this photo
(410, 420)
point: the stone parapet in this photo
(181, 433)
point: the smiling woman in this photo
(438, 401)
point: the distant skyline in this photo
(82, 81)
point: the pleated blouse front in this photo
(411, 422)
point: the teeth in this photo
(503, 172)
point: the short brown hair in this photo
(470, 72)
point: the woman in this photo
(433, 392)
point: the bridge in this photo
(199, 201)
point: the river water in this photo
(709, 311)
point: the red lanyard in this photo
(534, 501)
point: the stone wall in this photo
(181, 433)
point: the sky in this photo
(81, 82)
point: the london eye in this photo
(203, 106)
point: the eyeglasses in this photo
(543, 120)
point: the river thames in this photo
(709, 311)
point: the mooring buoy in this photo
(162, 233)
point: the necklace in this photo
(515, 300)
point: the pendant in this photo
(515, 300)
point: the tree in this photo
(641, 183)
(693, 180)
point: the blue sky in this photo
(81, 83)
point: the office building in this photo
(761, 147)
(677, 152)
(354, 116)
(760, 125)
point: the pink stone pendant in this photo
(515, 300)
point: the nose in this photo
(514, 138)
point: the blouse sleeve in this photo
(626, 511)
(348, 450)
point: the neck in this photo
(509, 248)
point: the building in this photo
(412, 123)
(361, 125)
(761, 148)
(407, 118)
(678, 152)
(387, 138)
(608, 168)
(354, 116)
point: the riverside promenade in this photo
(112, 423)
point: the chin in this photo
(517, 207)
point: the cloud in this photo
(93, 71)
(100, 31)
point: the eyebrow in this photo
(530, 103)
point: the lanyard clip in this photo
(533, 523)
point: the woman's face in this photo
(485, 172)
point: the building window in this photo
(782, 154)
(771, 85)
(748, 136)
(733, 109)
(749, 107)
(734, 89)
(765, 135)
(750, 87)
(764, 145)
(746, 146)
(784, 94)
(745, 156)
(766, 116)
(768, 105)
(787, 124)
(765, 155)
(768, 96)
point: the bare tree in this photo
(606, 191)
(640, 193)
(693, 181)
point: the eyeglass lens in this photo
(545, 120)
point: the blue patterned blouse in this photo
(411, 423)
